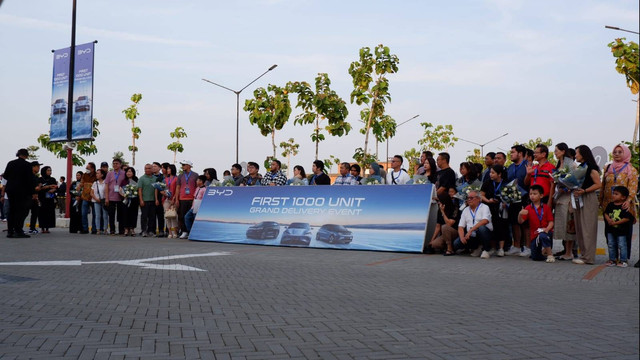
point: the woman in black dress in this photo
(75, 221)
(47, 198)
(132, 205)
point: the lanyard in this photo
(168, 180)
(117, 175)
(197, 193)
(540, 214)
(615, 173)
(496, 189)
(473, 214)
(186, 177)
(313, 180)
(250, 180)
(394, 178)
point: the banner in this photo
(82, 104)
(374, 217)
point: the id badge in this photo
(116, 188)
(187, 191)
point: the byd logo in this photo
(62, 56)
(85, 51)
(227, 192)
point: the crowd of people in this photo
(473, 215)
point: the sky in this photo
(527, 68)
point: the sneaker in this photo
(578, 261)
(476, 252)
(514, 251)
(150, 234)
(492, 252)
(500, 253)
(623, 264)
(610, 263)
(550, 259)
(34, 231)
(526, 252)
(144, 234)
(184, 235)
(485, 255)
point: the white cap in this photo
(186, 162)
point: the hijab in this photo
(376, 169)
(618, 165)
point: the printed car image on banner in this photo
(380, 217)
(82, 104)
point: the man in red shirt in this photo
(185, 189)
(540, 174)
(540, 218)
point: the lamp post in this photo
(397, 126)
(617, 28)
(482, 145)
(238, 103)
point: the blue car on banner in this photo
(332, 234)
(264, 230)
(297, 233)
(60, 106)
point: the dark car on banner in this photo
(333, 233)
(264, 230)
(297, 234)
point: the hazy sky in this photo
(529, 68)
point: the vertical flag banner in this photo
(82, 103)
(382, 217)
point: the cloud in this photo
(604, 11)
(32, 23)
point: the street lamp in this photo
(238, 103)
(397, 126)
(482, 145)
(617, 28)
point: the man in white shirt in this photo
(397, 175)
(345, 177)
(474, 228)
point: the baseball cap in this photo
(35, 163)
(186, 162)
(104, 163)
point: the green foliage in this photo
(323, 104)
(83, 148)
(177, 147)
(371, 86)
(437, 138)
(328, 163)
(412, 157)
(289, 148)
(476, 157)
(32, 149)
(131, 114)
(363, 159)
(269, 110)
(119, 155)
(532, 143)
(627, 60)
(634, 153)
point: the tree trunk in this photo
(366, 137)
(273, 142)
(133, 149)
(288, 163)
(635, 129)
(175, 152)
(317, 133)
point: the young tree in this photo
(176, 146)
(531, 144)
(83, 148)
(323, 104)
(363, 159)
(131, 114)
(627, 60)
(289, 148)
(438, 138)
(328, 163)
(120, 156)
(368, 70)
(32, 149)
(476, 157)
(413, 157)
(269, 111)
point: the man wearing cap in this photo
(19, 192)
(185, 189)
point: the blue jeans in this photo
(483, 237)
(189, 217)
(543, 240)
(102, 215)
(617, 243)
(86, 208)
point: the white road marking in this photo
(143, 263)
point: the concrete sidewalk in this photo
(109, 297)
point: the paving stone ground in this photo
(260, 302)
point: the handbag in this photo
(171, 213)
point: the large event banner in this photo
(377, 217)
(82, 106)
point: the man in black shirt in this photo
(20, 191)
(446, 175)
(319, 177)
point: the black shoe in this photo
(21, 236)
(10, 235)
(637, 264)
(84, 232)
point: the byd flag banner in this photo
(380, 217)
(82, 104)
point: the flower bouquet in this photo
(511, 193)
(228, 181)
(571, 177)
(161, 186)
(129, 192)
(463, 194)
(371, 180)
(419, 180)
(297, 182)
(215, 182)
(75, 193)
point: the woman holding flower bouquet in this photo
(168, 204)
(563, 213)
(75, 217)
(491, 195)
(621, 173)
(299, 176)
(586, 214)
(132, 203)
